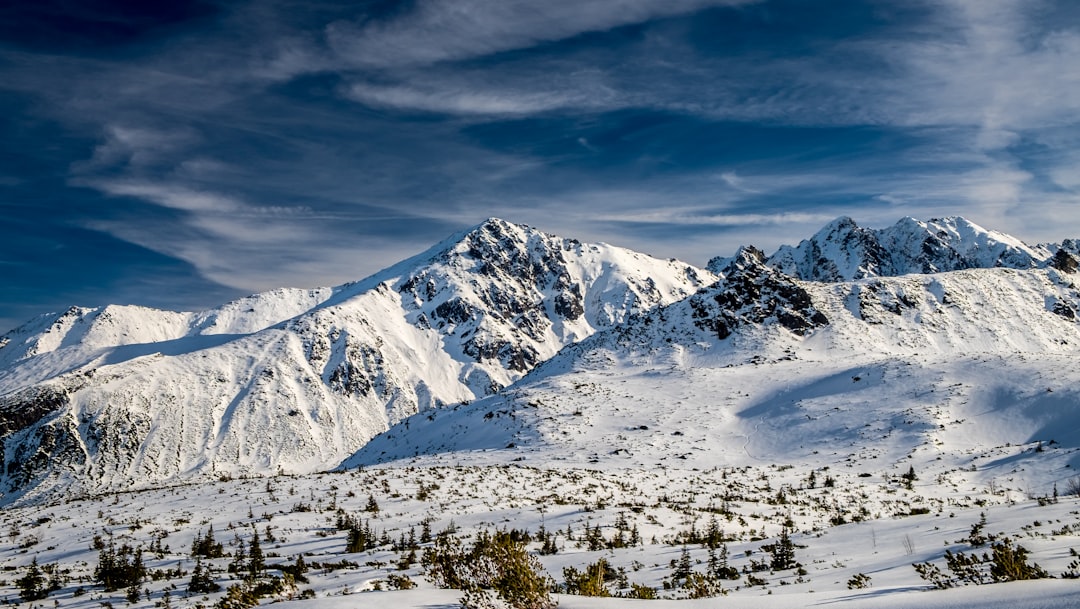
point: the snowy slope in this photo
(294, 516)
(54, 344)
(151, 396)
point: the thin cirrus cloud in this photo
(955, 75)
(698, 217)
(465, 100)
(250, 247)
(439, 31)
(1000, 69)
(189, 200)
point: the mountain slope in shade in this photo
(842, 250)
(150, 396)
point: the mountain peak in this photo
(841, 250)
(494, 243)
(745, 257)
(840, 223)
(460, 321)
(497, 226)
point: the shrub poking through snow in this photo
(1006, 562)
(496, 571)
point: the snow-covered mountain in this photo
(842, 250)
(295, 380)
(964, 375)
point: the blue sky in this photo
(179, 156)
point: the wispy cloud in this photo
(467, 100)
(447, 30)
(172, 197)
(950, 83)
(251, 247)
(697, 218)
(135, 147)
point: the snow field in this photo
(664, 505)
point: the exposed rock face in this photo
(1065, 261)
(752, 293)
(42, 436)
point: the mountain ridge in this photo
(300, 381)
(843, 251)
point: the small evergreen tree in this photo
(718, 567)
(548, 547)
(910, 478)
(1006, 563)
(256, 561)
(239, 561)
(713, 535)
(975, 536)
(119, 568)
(702, 586)
(783, 551)
(359, 538)
(641, 591)
(207, 547)
(407, 560)
(859, 581)
(238, 596)
(202, 580)
(32, 585)
(684, 567)
(591, 581)
(1009, 563)
(132, 593)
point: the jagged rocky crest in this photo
(843, 250)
